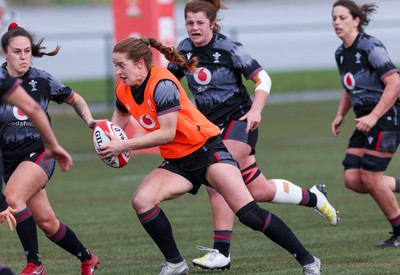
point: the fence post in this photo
(109, 70)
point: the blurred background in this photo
(295, 42)
(282, 35)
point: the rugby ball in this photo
(100, 138)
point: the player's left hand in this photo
(253, 120)
(63, 158)
(113, 148)
(9, 217)
(365, 123)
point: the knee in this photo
(353, 181)
(14, 201)
(254, 216)
(136, 202)
(142, 201)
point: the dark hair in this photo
(138, 48)
(361, 11)
(209, 7)
(36, 48)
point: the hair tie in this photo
(145, 40)
(12, 26)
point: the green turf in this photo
(295, 143)
(102, 90)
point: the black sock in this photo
(156, 223)
(282, 235)
(395, 225)
(27, 233)
(67, 240)
(274, 228)
(222, 241)
(309, 199)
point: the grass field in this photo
(295, 143)
(101, 90)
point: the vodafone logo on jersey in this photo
(348, 81)
(202, 76)
(147, 122)
(19, 114)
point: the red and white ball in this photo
(100, 138)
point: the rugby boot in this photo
(393, 241)
(212, 260)
(324, 208)
(313, 268)
(32, 269)
(168, 268)
(88, 266)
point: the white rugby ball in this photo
(100, 138)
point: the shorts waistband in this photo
(209, 143)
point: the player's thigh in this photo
(21, 187)
(239, 150)
(227, 180)
(158, 186)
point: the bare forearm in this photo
(260, 99)
(82, 109)
(149, 140)
(344, 105)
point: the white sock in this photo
(287, 192)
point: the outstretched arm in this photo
(35, 113)
(82, 109)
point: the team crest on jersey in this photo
(19, 114)
(146, 121)
(348, 81)
(202, 76)
(33, 83)
(216, 55)
(358, 58)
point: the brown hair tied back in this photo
(363, 12)
(173, 55)
(210, 9)
(138, 48)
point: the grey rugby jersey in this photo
(217, 83)
(362, 68)
(42, 87)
